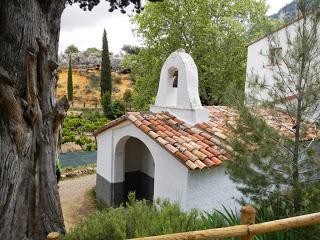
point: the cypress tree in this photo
(70, 83)
(106, 85)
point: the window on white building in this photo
(274, 55)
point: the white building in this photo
(176, 151)
(167, 153)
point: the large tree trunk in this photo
(29, 118)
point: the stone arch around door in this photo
(134, 167)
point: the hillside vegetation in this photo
(86, 86)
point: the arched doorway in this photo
(134, 164)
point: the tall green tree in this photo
(72, 49)
(106, 80)
(269, 164)
(70, 82)
(214, 32)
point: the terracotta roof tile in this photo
(160, 128)
(179, 147)
(186, 139)
(145, 122)
(205, 152)
(171, 148)
(191, 165)
(176, 133)
(190, 155)
(183, 132)
(170, 140)
(170, 134)
(199, 154)
(208, 162)
(161, 134)
(145, 128)
(205, 135)
(178, 139)
(153, 134)
(162, 141)
(189, 147)
(154, 122)
(205, 144)
(216, 161)
(202, 144)
(138, 123)
(199, 137)
(200, 164)
(132, 118)
(181, 156)
(194, 145)
(173, 122)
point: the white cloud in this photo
(84, 28)
(275, 5)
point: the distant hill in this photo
(86, 86)
(287, 12)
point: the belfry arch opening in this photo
(138, 167)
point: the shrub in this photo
(138, 219)
(116, 109)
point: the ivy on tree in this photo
(30, 115)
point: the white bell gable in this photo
(178, 89)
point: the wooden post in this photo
(53, 236)
(248, 217)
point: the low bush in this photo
(137, 219)
(141, 219)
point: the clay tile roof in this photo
(205, 144)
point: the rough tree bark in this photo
(30, 118)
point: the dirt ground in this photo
(75, 201)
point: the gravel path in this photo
(76, 204)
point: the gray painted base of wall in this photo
(113, 194)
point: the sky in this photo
(84, 29)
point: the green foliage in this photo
(74, 126)
(105, 83)
(116, 109)
(278, 207)
(85, 143)
(127, 98)
(142, 219)
(92, 51)
(131, 50)
(72, 49)
(106, 103)
(107, 225)
(70, 83)
(214, 32)
(138, 219)
(285, 163)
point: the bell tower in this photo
(178, 89)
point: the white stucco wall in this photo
(170, 176)
(258, 62)
(212, 189)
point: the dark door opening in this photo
(139, 170)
